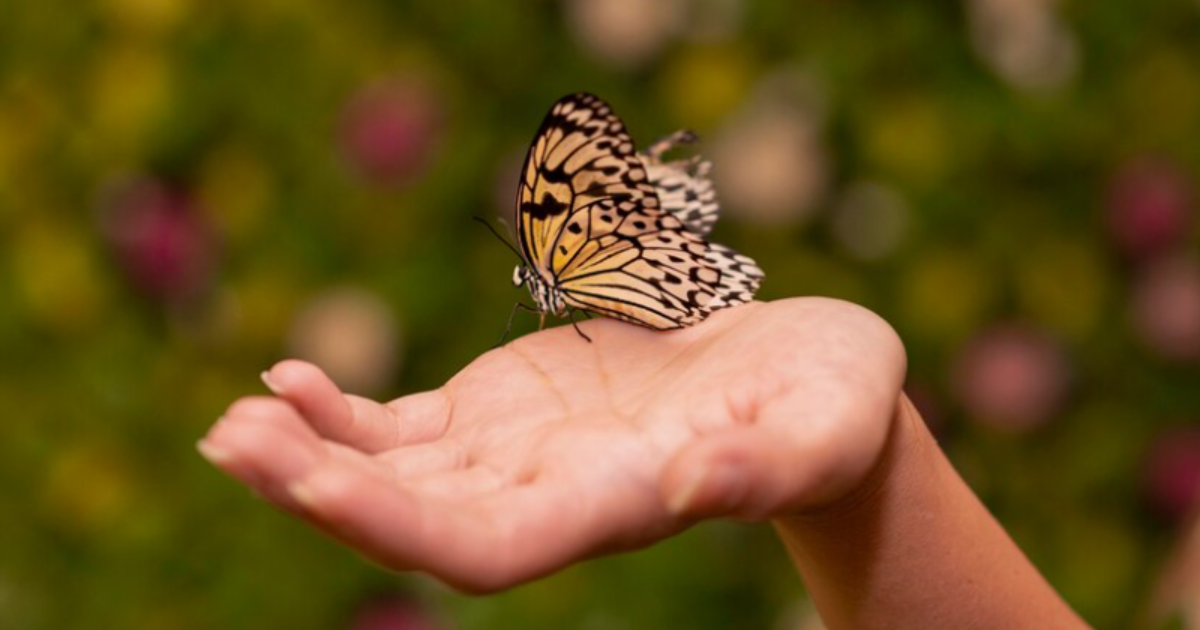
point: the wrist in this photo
(912, 547)
(902, 447)
(903, 442)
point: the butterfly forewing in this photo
(581, 159)
(591, 224)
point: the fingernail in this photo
(271, 385)
(682, 498)
(214, 454)
(721, 488)
(302, 494)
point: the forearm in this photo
(914, 548)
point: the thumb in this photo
(773, 467)
(752, 473)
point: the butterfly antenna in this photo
(497, 235)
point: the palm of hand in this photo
(552, 449)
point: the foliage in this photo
(180, 181)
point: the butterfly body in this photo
(545, 295)
(604, 229)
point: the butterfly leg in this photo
(571, 314)
(511, 315)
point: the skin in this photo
(551, 450)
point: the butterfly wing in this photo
(582, 160)
(664, 277)
(683, 186)
(590, 222)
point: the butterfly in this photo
(604, 229)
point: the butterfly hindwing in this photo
(684, 187)
(659, 277)
(740, 275)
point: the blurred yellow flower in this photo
(259, 304)
(945, 295)
(1161, 96)
(59, 276)
(151, 17)
(237, 189)
(703, 84)
(1062, 282)
(88, 487)
(908, 138)
(28, 114)
(130, 88)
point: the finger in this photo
(268, 410)
(423, 416)
(773, 467)
(805, 446)
(549, 523)
(350, 420)
(420, 460)
(265, 443)
(260, 445)
(400, 529)
(510, 537)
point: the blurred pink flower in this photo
(352, 335)
(394, 613)
(1149, 207)
(772, 165)
(165, 246)
(624, 33)
(1012, 378)
(390, 130)
(1166, 307)
(1024, 42)
(1171, 474)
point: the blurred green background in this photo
(192, 190)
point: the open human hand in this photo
(552, 449)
